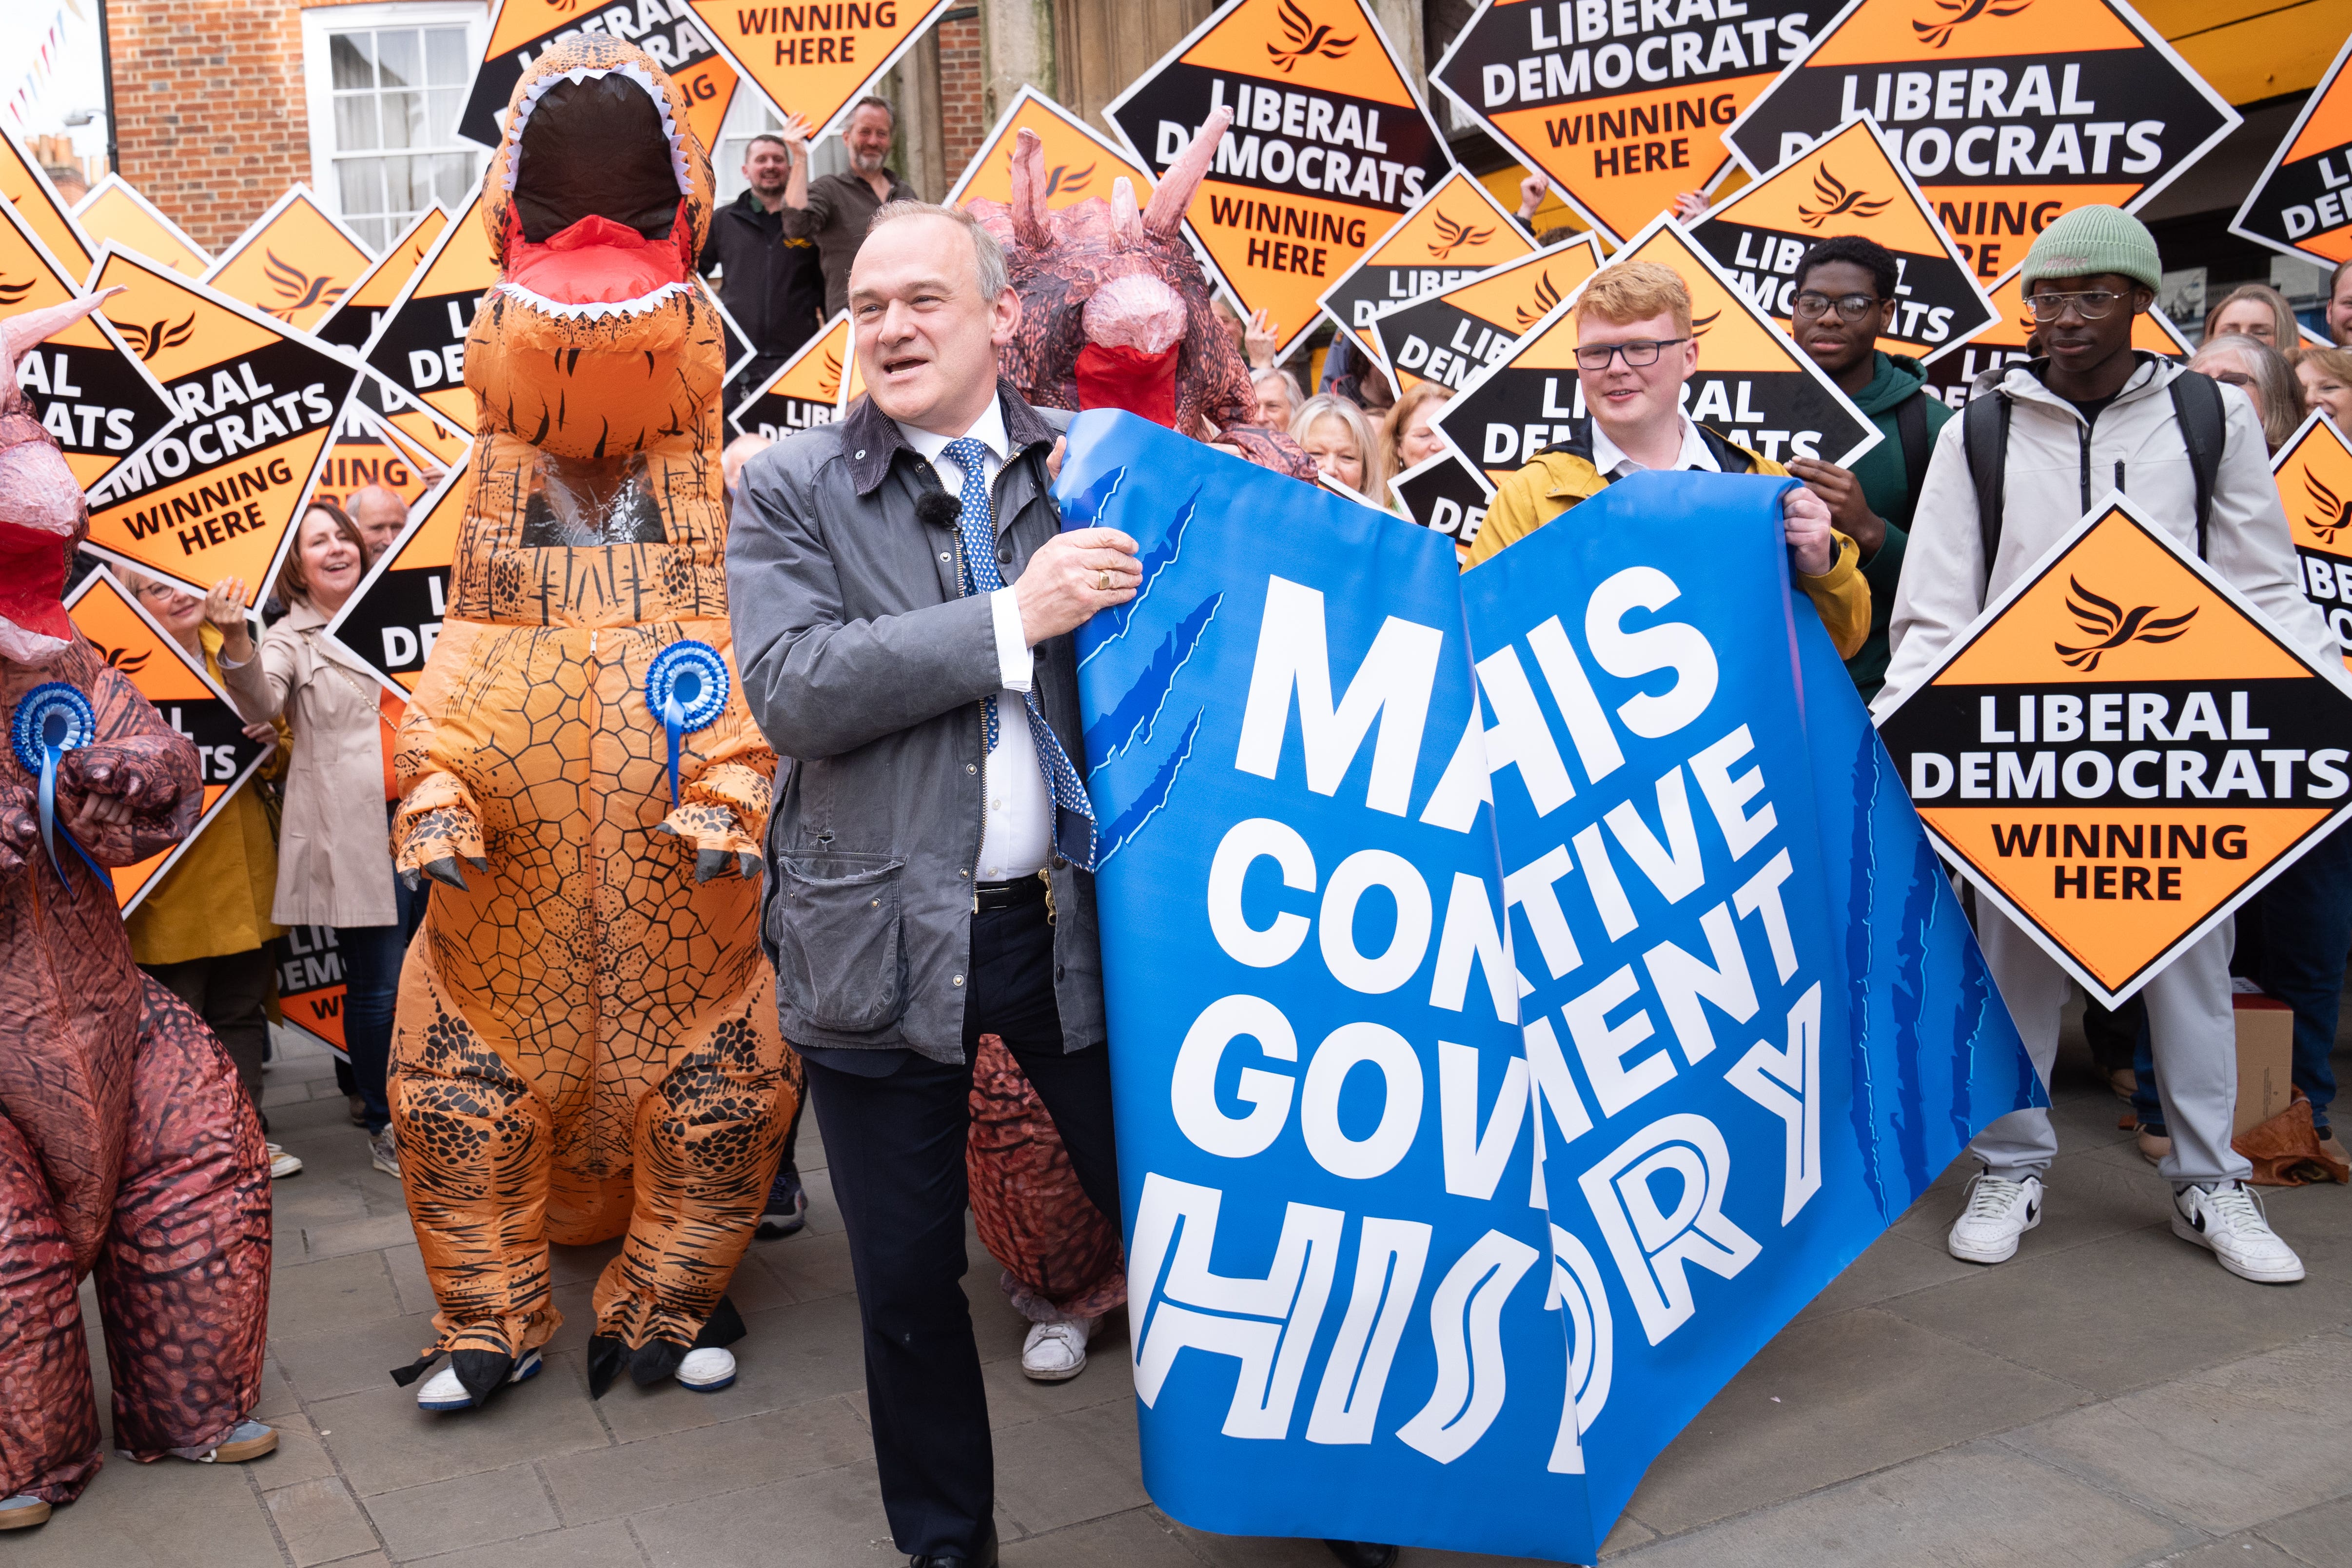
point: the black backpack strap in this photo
(2204, 430)
(1911, 429)
(1984, 433)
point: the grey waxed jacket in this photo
(865, 663)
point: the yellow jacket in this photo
(1558, 477)
(215, 901)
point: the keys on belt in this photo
(1012, 895)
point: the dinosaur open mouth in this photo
(599, 181)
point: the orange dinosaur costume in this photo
(586, 1044)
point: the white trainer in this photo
(1999, 1212)
(707, 1370)
(2227, 1221)
(443, 1393)
(281, 1163)
(1057, 1353)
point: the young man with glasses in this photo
(1634, 351)
(1845, 299)
(2060, 432)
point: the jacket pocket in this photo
(841, 953)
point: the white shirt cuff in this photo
(1014, 661)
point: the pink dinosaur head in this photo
(1115, 308)
(42, 514)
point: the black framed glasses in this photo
(1641, 352)
(2091, 305)
(1811, 306)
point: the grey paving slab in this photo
(372, 1234)
(811, 1266)
(2124, 1312)
(334, 1359)
(2238, 1551)
(1134, 1538)
(300, 1455)
(821, 1520)
(1894, 1265)
(406, 1264)
(463, 1510)
(579, 1265)
(1066, 1468)
(353, 1288)
(1013, 1399)
(1983, 1506)
(2223, 1449)
(382, 1442)
(1830, 1400)
(169, 1514)
(319, 1521)
(671, 1467)
(788, 1357)
(608, 1545)
(2320, 1537)
(1250, 1550)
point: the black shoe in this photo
(1363, 1553)
(786, 1209)
(982, 1557)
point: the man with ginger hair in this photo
(1634, 351)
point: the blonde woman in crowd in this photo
(2258, 311)
(1334, 433)
(334, 856)
(203, 930)
(2260, 373)
(1406, 439)
(2325, 377)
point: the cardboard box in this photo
(2265, 1059)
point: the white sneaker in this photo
(383, 1152)
(442, 1391)
(1999, 1212)
(1057, 1353)
(2228, 1222)
(707, 1370)
(281, 1163)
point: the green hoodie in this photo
(1891, 494)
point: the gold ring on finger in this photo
(1102, 583)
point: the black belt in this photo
(1012, 895)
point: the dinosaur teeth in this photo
(591, 310)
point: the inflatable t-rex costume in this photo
(1116, 311)
(586, 1044)
(126, 1144)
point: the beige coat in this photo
(334, 856)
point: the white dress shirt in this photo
(1016, 836)
(1610, 459)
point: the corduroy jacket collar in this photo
(873, 439)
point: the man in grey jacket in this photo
(2096, 415)
(930, 857)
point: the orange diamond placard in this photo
(419, 345)
(365, 452)
(115, 214)
(25, 187)
(2298, 204)
(172, 678)
(2122, 749)
(804, 391)
(1457, 231)
(88, 387)
(311, 987)
(522, 30)
(393, 617)
(812, 60)
(2313, 470)
(294, 263)
(353, 318)
(1329, 146)
(1080, 161)
(1624, 106)
(215, 496)
(2007, 113)
(1451, 335)
(1847, 184)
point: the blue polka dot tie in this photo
(977, 525)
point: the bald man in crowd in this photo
(381, 515)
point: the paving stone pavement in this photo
(2108, 1399)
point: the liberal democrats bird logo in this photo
(11, 293)
(1065, 178)
(294, 284)
(1701, 325)
(2332, 511)
(124, 659)
(1454, 236)
(2114, 626)
(1308, 37)
(829, 387)
(1837, 201)
(154, 339)
(1939, 32)
(1546, 297)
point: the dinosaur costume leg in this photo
(707, 1139)
(48, 1441)
(1060, 1256)
(184, 1280)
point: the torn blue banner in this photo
(1498, 1060)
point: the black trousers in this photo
(896, 1146)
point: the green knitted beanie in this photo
(2094, 239)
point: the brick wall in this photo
(211, 124)
(964, 108)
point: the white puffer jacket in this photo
(2058, 468)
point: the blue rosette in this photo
(687, 687)
(53, 719)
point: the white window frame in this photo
(319, 77)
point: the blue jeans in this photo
(372, 957)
